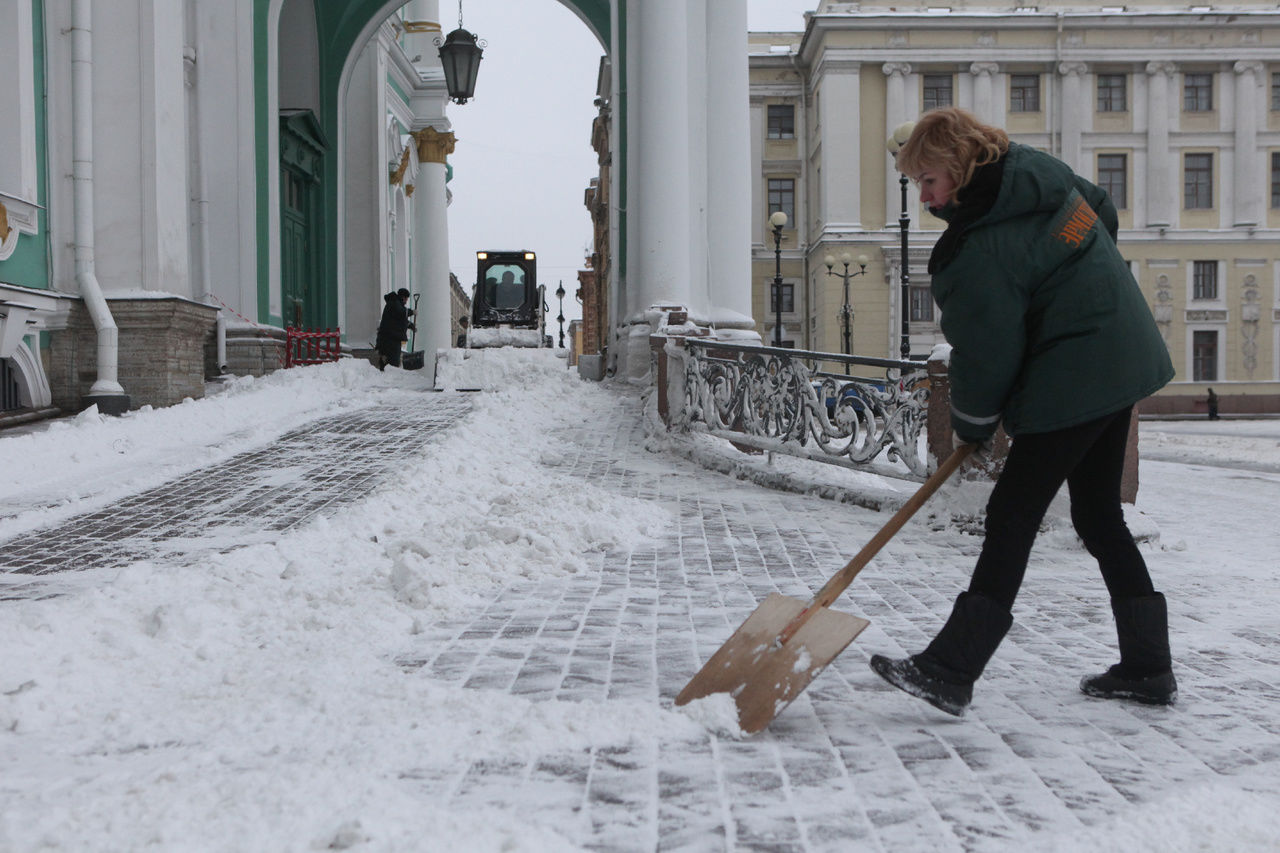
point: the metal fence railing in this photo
(789, 401)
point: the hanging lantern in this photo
(460, 55)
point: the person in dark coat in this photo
(1213, 405)
(394, 327)
(1052, 337)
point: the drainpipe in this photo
(190, 56)
(106, 392)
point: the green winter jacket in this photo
(1047, 326)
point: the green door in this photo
(297, 278)
(302, 150)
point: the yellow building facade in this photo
(1175, 112)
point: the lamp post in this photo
(778, 220)
(560, 319)
(460, 55)
(899, 138)
(846, 310)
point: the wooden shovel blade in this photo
(763, 677)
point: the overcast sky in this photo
(524, 157)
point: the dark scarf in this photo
(971, 203)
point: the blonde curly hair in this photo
(953, 140)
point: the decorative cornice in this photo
(434, 146)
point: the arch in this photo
(33, 386)
(351, 24)
(342, 28)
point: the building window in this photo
(1113, 176)
(937, 91)
(788, 298)
(1197, 181)
(1204, 356)
(782, 196)
(782, 121)
(1113, 93)
(1204, 279)
(921, 304)
(1024, 93)
(1275, 90)
(1275, 179)
(1197, 92)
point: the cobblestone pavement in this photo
(309, 471)
(1032, 755)
(852, 764)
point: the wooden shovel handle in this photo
(840, 580)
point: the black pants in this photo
(389, 350)
(1090, 458)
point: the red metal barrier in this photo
(311, 346)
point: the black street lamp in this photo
(846, 310)
(460, 55)
(900, 136)
(560, 319)
(778, 220)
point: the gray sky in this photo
(524, 158)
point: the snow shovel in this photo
(414, 359)
(785, 642)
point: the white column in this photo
(1248, 188)
(729, 166)
(1161, 181)
(1073, 114)
(431, 243)
(841, 149)
(660, 171)
(422, 42)
(163, 161)
(364, 198)
(895, 113)
(659, 168)
(983, 93)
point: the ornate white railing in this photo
(778, 400)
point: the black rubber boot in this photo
(944, 673)
(1145, 671)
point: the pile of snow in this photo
(499, 337)
(500, 368)
(255, 700)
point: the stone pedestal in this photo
(251, 350)
(162, 351)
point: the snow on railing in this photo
(780, 400)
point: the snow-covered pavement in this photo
(475, 647)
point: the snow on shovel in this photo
(785, 642)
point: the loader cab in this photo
(506, 291)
